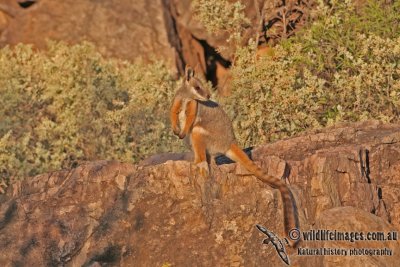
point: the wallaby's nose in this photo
(208, 96)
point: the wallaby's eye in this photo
(197, 88)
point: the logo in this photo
(278, 243)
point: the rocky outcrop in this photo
(117, 27)
(165, 213)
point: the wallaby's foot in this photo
(203, 168)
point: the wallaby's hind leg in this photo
(199, 149)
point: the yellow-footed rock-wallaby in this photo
(209, 130)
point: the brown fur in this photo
(210, 132)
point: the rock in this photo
(107, 213)
(187, 156)
(347, 165)
(164, 157)
(118, 28)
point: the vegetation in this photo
(344, 67)
(69, 104)
(220, 17)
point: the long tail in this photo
(289, 209)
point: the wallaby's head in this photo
(195, 87)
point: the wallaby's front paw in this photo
(182, 135)
(176, 131)
(203, 168)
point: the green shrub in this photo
(339, 69)
(69, 104)
(221, 17)
(339, 27)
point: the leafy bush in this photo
(342, 68)
(220, 17)
(69, 104)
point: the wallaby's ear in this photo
(189, 73)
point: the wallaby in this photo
(210, 132)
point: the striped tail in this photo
(289, 209)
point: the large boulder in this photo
(165, 213)
(118, 28)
